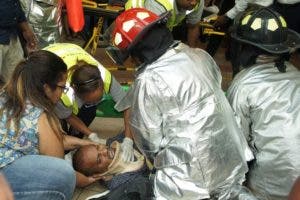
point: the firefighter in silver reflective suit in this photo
(266, 99)
(45, 18)
(180, 118)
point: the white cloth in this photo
(242, 5)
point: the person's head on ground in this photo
(104, 161)
(40, 79)
(143, 34)
(260, 33)
(87, 82)
(93, 159)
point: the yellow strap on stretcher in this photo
(89, 4)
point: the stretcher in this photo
(207, 28)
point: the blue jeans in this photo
(36, 177)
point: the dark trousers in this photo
(86, 114)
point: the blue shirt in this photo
(11, 14)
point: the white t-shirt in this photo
(191, 17)
(242, 5)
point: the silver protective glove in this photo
(127, 150)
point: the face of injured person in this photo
(94, 159)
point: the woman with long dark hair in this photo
(31, 139)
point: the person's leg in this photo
(36, 177)
(13, 56)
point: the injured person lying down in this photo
(105, 161)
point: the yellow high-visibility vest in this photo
(71, 54)
(169, 6)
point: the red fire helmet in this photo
(132, 24)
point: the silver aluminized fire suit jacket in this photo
(182, 121)
(267, 106)
(45, 18)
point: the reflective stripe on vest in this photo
(69, 101)
(71, 54)
(167, 4)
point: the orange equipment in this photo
(75, 15)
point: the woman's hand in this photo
(71, 142)
(83, 181)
